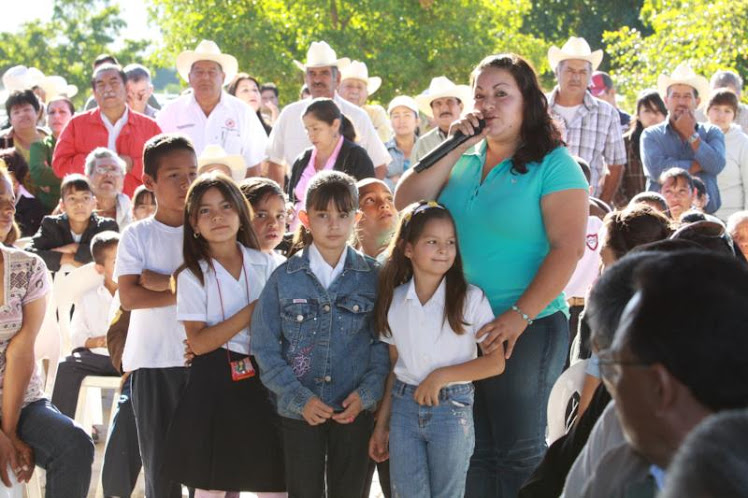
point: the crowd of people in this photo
(293, 306)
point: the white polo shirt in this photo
(91, 318)
(205, 303)
(232, 124)
(588, 268)
(424, 340)
(288, 138)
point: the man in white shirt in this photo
(288, 138)
(210, 116)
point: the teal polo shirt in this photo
(499, 222)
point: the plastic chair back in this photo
(563, 402)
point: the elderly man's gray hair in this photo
(102, 153)
(723, 79)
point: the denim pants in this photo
(61, 448)
(430, 446)
(511, 411)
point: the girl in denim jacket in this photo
(429, 315)
(313, 339)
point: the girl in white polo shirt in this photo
(430, 316)
(223, 435)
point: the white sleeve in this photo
(480, 310)
(192, 298)
(80, 326)
(165, 118)
(130, 259)
(255, 139)
(274, 151)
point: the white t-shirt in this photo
(588, 268)
(424, 340)
(155, 337)
(223, 296)
(232, 124)
(91, 318)
(288, 138)
(567, 113)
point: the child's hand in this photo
(153, 281)
(427, 393)
(353, 407)
(315, 412)
(379, 444)
(189, 354)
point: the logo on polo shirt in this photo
(230, 123)
(592, 241)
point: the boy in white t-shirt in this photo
(88, 329)
(149, 252)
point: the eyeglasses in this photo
(111, 170)
(610, 367)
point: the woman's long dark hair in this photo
(398, 269)
(233, 86)
(538, 134)
(327, 111)
(194, 248)
(650, 99)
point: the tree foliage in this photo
(708, 35)
(67, 44)
(407, 42)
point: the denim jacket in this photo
(311, 341)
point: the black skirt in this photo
(224, 434)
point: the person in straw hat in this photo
(356, 87)
(112, 124)
(444, 101)
(593, 129)
(209, 115)
(214, 158)
(288, 139)
(680, 141)
(57, 86)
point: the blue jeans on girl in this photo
(511, 411)
(430, 446)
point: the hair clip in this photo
(425, 206)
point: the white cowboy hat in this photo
(439, 88)
(207, 50)
(320, 54)
(356, 70)
(19, 78)
(55, 86)
(403, 101)
(574, 48)
(214, 154)
(684, 75)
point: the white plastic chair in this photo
(47, 345)
(563, 402)
(21, 243)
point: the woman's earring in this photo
(196, 235)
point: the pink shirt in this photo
(309, 173)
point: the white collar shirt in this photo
(288, 139)
(232, 124)
(91, 318)
(114, 129)
(424, 339)
(325, 273)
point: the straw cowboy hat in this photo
(207, 50)
(320, 54)
(55, 86)
(574, 48)
(356, 70)
(19, 78)
(439, 88)
(684, 75)
(214, 154)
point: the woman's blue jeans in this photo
(510, 411)
(430, 446)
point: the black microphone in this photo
(446, 147)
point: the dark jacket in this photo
(55, 232)
(352, 160)
(29, 215)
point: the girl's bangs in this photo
(337, 193)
